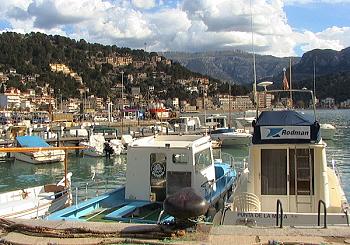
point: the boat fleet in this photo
(174, 178)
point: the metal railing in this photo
(324, 214)
(94, 188)
(279, 218)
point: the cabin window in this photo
(180, 158)
(177, 181)
(273, 172)
(158, 176)
(304, 159)
(203, 159)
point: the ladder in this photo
(303, 170)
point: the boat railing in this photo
(93, 188)
(335, 169)
(324, 214)
(238, 163)
(334, 166)
(279, 218)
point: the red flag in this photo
(285, 83)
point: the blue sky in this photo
(281, 27)
(318, 16)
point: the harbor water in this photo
(110, 173)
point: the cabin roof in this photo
(178, 141)
(279, 118)
(31, 141)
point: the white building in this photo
(10, 99)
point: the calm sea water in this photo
(17, 175)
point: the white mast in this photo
(290, 81)
(229, 105)
(314, 79)
(254, 67)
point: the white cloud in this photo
(186, 25)
(144, 4)
(335, 38)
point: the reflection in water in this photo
(17, 174)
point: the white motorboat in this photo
(35, 202)
(95, 147)
(168, 178)
(245, 122)
(99, 147)
(37, 157)
(117, 146)
(231, 136)
(288, 173)
(327, 131)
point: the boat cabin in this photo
(160, 165)
(216, 121)
(288, 163)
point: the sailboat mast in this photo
(254, 66)
(290, 79)
(229, 105)
(314, 79)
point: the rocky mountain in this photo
(332, 73)
(235, 66)
(332, 69)
(326, 62)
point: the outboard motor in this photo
(108, 149)
(185, 205)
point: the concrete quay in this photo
(110, 233)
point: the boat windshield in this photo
(223, 130)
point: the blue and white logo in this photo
(285, 132)
(274, 132)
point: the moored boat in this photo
(327, 131)
(231, 136)
(37, 157)
(162, 169)
(36, 202)
(288, 177)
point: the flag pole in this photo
(290, 81)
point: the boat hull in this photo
(289, 219)
(32, 203)
(231, 140)
(42, 158)
(327, 131)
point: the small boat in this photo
(35, 202)
(327, 131)
(169, 177)
(116, 146)
(95, 147)
(245, 122)
(37, 157)
(231, 136)
(99, 147)
(287, 179)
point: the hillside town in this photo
(136, 104)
